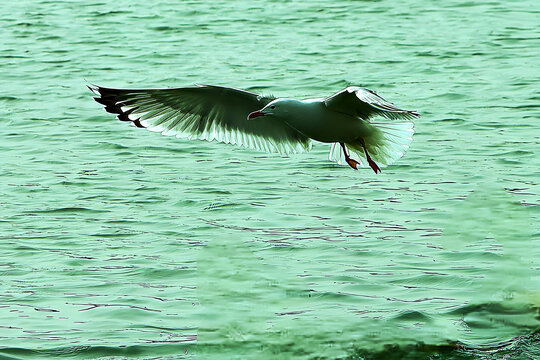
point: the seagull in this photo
(267, 123)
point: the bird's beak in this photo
(255, 114)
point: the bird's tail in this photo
(387, 143)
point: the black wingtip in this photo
(122, 115)
(101, 101)
(138, 124)
(110, 100)
(94, 89)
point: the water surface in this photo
(117, 242)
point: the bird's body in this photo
(284, 125)
(311, 118)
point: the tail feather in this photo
(385, 146)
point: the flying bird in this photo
(271, 124)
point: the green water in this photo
(119, 243)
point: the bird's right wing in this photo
(365, 104)
(203, 112)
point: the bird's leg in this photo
(370, 161)
(352, 163)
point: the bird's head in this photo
(277, 108)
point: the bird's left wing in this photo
(203, 112)
(365, 104)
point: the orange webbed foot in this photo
(352, 163)
(373, 165)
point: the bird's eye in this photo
(272, 106)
